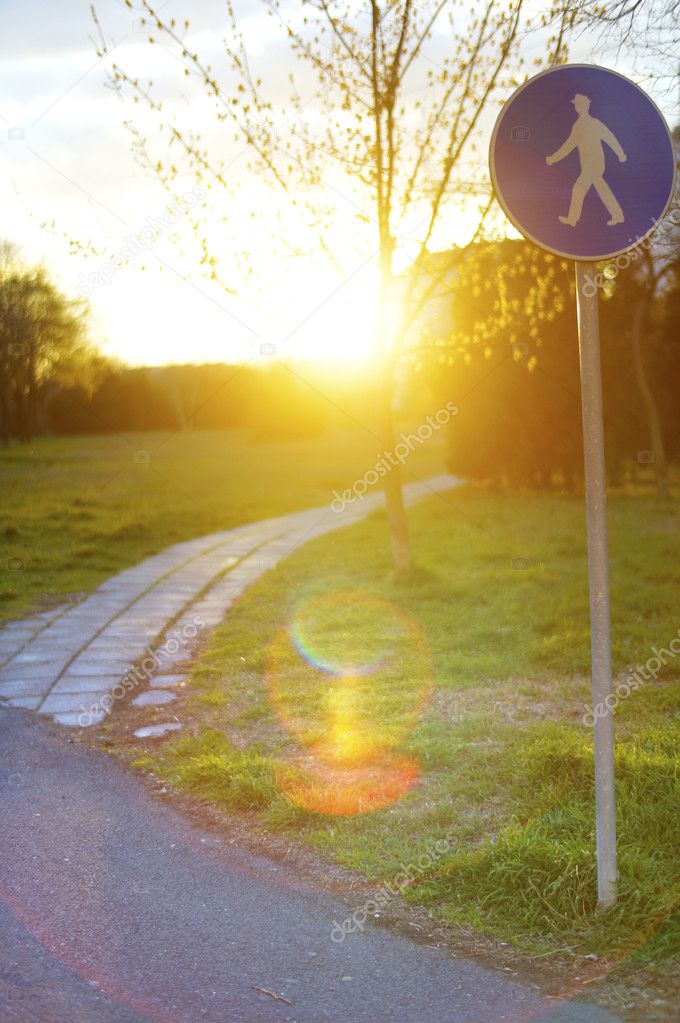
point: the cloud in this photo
(75, 164)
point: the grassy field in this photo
(372, 719)
(74, 510)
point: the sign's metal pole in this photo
(600, 625)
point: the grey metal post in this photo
(598, 569)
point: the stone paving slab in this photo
(71, 702)
(22, 687)
(156, 731)
(166, 681)
(17, 631)
(98, 666)
(30, 672)
(27, 702)
(87, 684)
(70, 658)
(15, 636)
(154, 698)
(73, 719)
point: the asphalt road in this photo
(114, 909)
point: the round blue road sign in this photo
(582, 162)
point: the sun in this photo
(296, 304)
(335, 319)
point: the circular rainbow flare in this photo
(349, 677)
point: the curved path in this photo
(62, 661)
(114, 909)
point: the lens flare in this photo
(330, 633)
(349, 677)
(313, 784)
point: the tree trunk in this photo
(649, 401)
(20, 406)
(4, 413)
(31, 403)
(394, 498)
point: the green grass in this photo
(446, 706)
(478, 676)
(75, 510)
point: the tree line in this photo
(54, 380)
(504, 346)
(498, 338)
(43, 346)
(271, 401)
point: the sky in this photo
(68, 172)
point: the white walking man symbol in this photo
(587, 136)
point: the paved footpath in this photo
(59, 661)
(114, 909)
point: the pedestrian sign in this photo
(582, 162)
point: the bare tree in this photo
(648, 31)
(399, 92)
